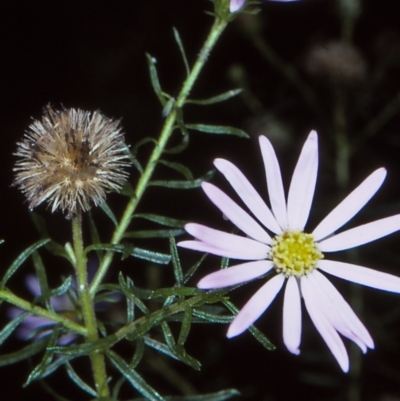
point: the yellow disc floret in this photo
(294, 253)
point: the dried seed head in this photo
(71, 158)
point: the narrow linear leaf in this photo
(218, 129)
(212, 318)
(138, 355)
(176, 291)
(24, 353)
(83, 349)
(257, 334)
(176, 263)
(169, 106)
(181, 146)
(183, 184)
(216, 99)
(188, 275)
(9, 328)
(133, 377)
(78, 381)
(154, 233)
(182, 50)
(128, 289)
(56, 292)
(106, 209)
(21, 259)
(185, 328)
(178, 167)
(155, 82)
(158, 346)
(42, 278)
(163, 220)
(145, 254)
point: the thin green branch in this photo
(216, 31)
(13, 299)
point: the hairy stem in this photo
(87, 305)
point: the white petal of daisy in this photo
(235, 213)
(361, 235)
(341, 315)
(248, 194)
(256, 306)
(235, 274)
(208, 248)
(361, 275)
(292, 316)
(350, 206)
(276, 192)
(323, 325)
(302, 186)
(226, 241)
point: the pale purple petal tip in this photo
(302, 186)
(292, 317)
(235, 5)
(256, 306)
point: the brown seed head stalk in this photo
(70, 159)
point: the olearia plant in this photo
(69, 161)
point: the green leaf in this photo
(182, 50)
(127, 288)
(176, 263)
(217, 129)
(180, 147)
(11, 326)
(176, 291)
(42, 278)
(216, 99)
(78, 381)
(258, 335)
(21, 259)
(178, 167)
(138, 355)
(127, 190)
(211, 317)
(162, 220)
(24, 353)
(158, 346)
(151, 61)
(83, 349)
(39, 371)
(183, 184)
(106, 209)
(133, 377)
(185, 327)
(56, 292)
(188, 275)
(154, 233)
(145, 254)
(169, 106)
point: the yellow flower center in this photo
(294, 253)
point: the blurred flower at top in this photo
(34, 327)
(235, 5)
(337, 63)
(280, 249)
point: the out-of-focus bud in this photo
(338, 63)
(235, 5)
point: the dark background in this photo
(92, 56)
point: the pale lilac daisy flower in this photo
(296, 257)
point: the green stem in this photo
(11, 298)
(87, 305)
(169, 126)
